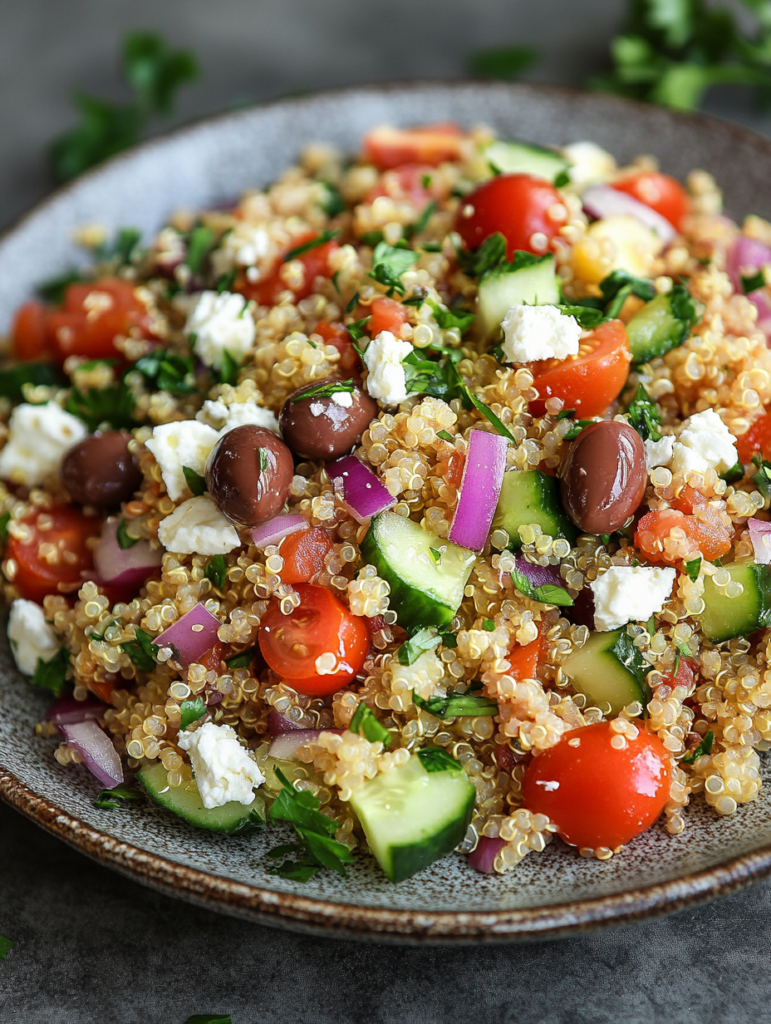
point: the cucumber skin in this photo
(525, 158)
(601, 649)
(723, 617)
(533, 283)
(542, 505)
(662, 324)
(239, 817)
(408, 860)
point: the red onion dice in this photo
(95, 747)
(604, 201)
(483, 858)
(480, 489)
(277, 528)
(192, 635)
(362, 492)
(68, 711)
(119, 566)
(760, 535)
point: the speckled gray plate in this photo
(555, 893)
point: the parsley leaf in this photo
(488, 625)
(631, 658)
(313, 243)
(52, 674)
(191, 711)
(365, 723)
(693, 568)
(488, 413)
(242, 660)
(124, 538)
(142, 651)
(736, 472)
(424, 640)
(419, 226)
(619, 285)
(166, 371)
(194, 481)
(588, 317)
(113, 404)
(705, 747)
(13, 378)
(389, 263)
(327, 390)
(762, 478)
(486, 256)
(109, 799)
(334, 203)
(445, 436)
(456, 705)
(228, 371)
(507, 62)
(216, 571)
(5, 519)
(547, 593)
(356, 329)
(644, 416)
(576, 428)
(448, 319)
(435, 759)
(6, 945)
(752, 282)
(199, 244)
(122, 249)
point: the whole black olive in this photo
(248, 474)
(323, 426)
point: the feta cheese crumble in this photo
(40, 436)
(179, 444)
(659, 453)
(197, 527)
(221, 323)
(539, 332)
(32, 638)
(590, 163)
(627, 593)
(343, 398)
(224, 771)
(705, 442)
(387, 380)
(227, 417)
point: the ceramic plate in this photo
(555, 893)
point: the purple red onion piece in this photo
(483, 858)
(192, 635)
(285, 746)
(277, 528)
(539, 575)
(119, 566)
(604, 201)
(480, 489)
(279, 724)
(68, 711)
(364, 495)
(96, 748)
(760, 535)
(746, 256)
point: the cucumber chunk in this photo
(412, 817)
(426, 575)
(528, 280)
(185, 802)
(609, 669)
(662, 324)
(525, 158)
(529, 496)
(724, 617)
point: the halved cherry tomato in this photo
(387, 315)
(338, 335)
(757, 439)
(519, 206)
(415, 182)
(52, 559)
(590, 381)
(292, 643)
(304, 553)
(93, 315)
(431, 144)
(598, 794)
(30, 331)
(663, 194)
(670, 536)
(315, 263)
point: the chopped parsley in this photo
(352, 304)
(693, 568)
(316, 848)
(576, 428)
(752, 282)
(142, 651)
(109, 799)
(356, 329)
(631, 658)
(191, 711)
(166, 371)
(13, 378)
(228, 372)
(313, 243)
(389, 262)
(644, 416)
(445, 436)
(124, 538)
(327, 390)
(194, 481)
(113, 404)
(419, 226)
(5, 519)
(371, 238)
(486, 256)
(226, 281)
(547, 593)
(52, 674)
(6, 945)
(488, 625)
(424, 640)
(619, 285)
(199, 244)
(435, 759)
(762, 478)
(216, 571)
(456, 706)
(449, 319)
(242, 660)
(364, 723)
(54, 290)
(334, 203)
(705, 747)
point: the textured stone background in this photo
(94, 948)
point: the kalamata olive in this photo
(323, 426)
(603, 476)
(248, 474)
(101, 471)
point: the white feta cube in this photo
(705, 442)
(539, 332)
(220, 323)
(40, 436)
(659, 453)
(241, 247)
(343, 398)
(627, 593)
(387, 380)
(32, 638)
(197, 527)
(179, 444)
(224, 771)
(590, 164)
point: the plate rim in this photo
(334, 918)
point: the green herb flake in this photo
(449, 640)
(705, 747)
(54, 290)
(436, 554)
(753, 282)
(445, 436)
(166, 371)
(199, 244)
(389, 262)
(619, 285)
(566, 414)
(242, 660)
(356, 329)
(333, 204)
(435, 759)
(109, 799)
(693, 568)
(736, 472)
(52, 674)
(420, 642)
(228, 371)
(194, 481)
(587, 316)
(313, 243)
(124, 538)
(6, 945)
(644, 416)
(547, 593)
(225, 282)
(96, 406)
(327, 390)
(578, 426)
(216, 571)
(191, 711)
(371, 238)
(5, 519)
(632, 660)
(762, 478)
(448, 319)
(456, 706)
(489, 254)
(365, 724)
(419, 226)
(488, 625)
(14, 378)
(353, 303)
(142, 651)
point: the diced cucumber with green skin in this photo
(531, 497)
(412, 817)
(525, 158)
(185, 801)
(662, 324)
(598, 671)
(528, 280)
(425, 590)
(726, 617)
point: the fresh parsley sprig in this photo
(486, 256)
(167, 371)
(109, 799)
(365, 724)
(423, 640)
(644, 416)
(52, 674)
(124, 538)
(142, 651)
(327, 390)
(389, 262)
(216, 571)
(705, 747)
(313, 243)
(95, 406)
(190, 711)
(456, 706)
(547, 593)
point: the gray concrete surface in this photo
(94, 948)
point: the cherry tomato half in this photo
(431, 144)
(590, 381)
(414, 182)
(30, 331)
(51, 560)
(320, 625)
(757, 439)
(598, 794)
(663, 194)
(703, 532)
(520, 206)
(304, 554)
(315, 264)
(93, 316)
(338, 335)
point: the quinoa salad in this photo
(414, 505)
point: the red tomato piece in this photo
(304, 553)
(93, 316)
(430, 144)
(590, 381)
(387, 315)
(757, 439)
(338, 335)
(410, 181)
(321, 624)
(520, 206)
(663, 194)
(598, 794)
(52, 559)
(30, 331)
(670, 536)
(103, 690)
(212, 659)
(315, 264)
